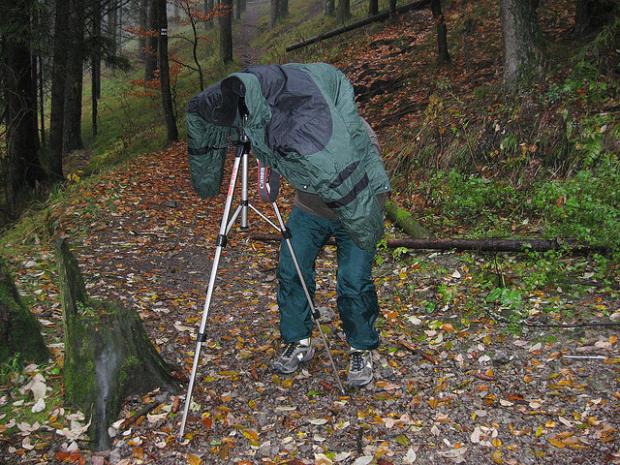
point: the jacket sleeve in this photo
(206, 145)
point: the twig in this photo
(585, 357)
(142, 412)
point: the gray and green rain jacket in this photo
(302, 122)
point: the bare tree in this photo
(57, 107)
(226, 45)
(344, 10)
(275, 12)
(373, 7)
(392, 8)
(209, 6)
(95, 63)
(150, 55)
(191, 11)
(144, 19)
(164, 73)
(24, 168)
(330, 7)
(74, 77)
(442, 31)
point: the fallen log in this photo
(108, 355)
(477, 245)
(349, 27)
(404, 220)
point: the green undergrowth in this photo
(509, 290)
(542, 163)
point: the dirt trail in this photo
(247, 32)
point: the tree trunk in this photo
(243, 5)
(209, 6)
(108, 355)
(20, 332)
(74, 78)
(275, 12)
(373, 7)
(57, 106)
(144, 19)
(330, 7)
(442, 32)
(113, 26)
(24, 167)
(582, 18)
(195, 52)
(226, 45)
(41, 91)
(237, 9)
(520, 31)
(283, 7)
(164, 75)
(344, 10)
(95, 69)
(392, 8)
(150, 55)
(591, 14)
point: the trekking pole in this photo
(286, 235)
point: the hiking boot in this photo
(294, 354)
(360, 368)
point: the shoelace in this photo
(357, 361)
(290, 348)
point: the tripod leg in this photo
(221, 243)
(287, 238)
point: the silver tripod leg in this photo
(221, 242)
(287, 239)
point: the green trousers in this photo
(356, 293)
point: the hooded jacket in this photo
(302, 121)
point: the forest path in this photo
(447, 388)
(248, 31)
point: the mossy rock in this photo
(20, 332)
(108, 355)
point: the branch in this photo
(380, 17)
(478, 245)
(174, 60)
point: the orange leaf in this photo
(206, 420)
(193, 459)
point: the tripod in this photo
(241, 159)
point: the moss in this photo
(405, 221)
(18, 327)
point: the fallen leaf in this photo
(410, 456)
(193, 459)
(363, 460)
(456, 455)
(321, 459)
